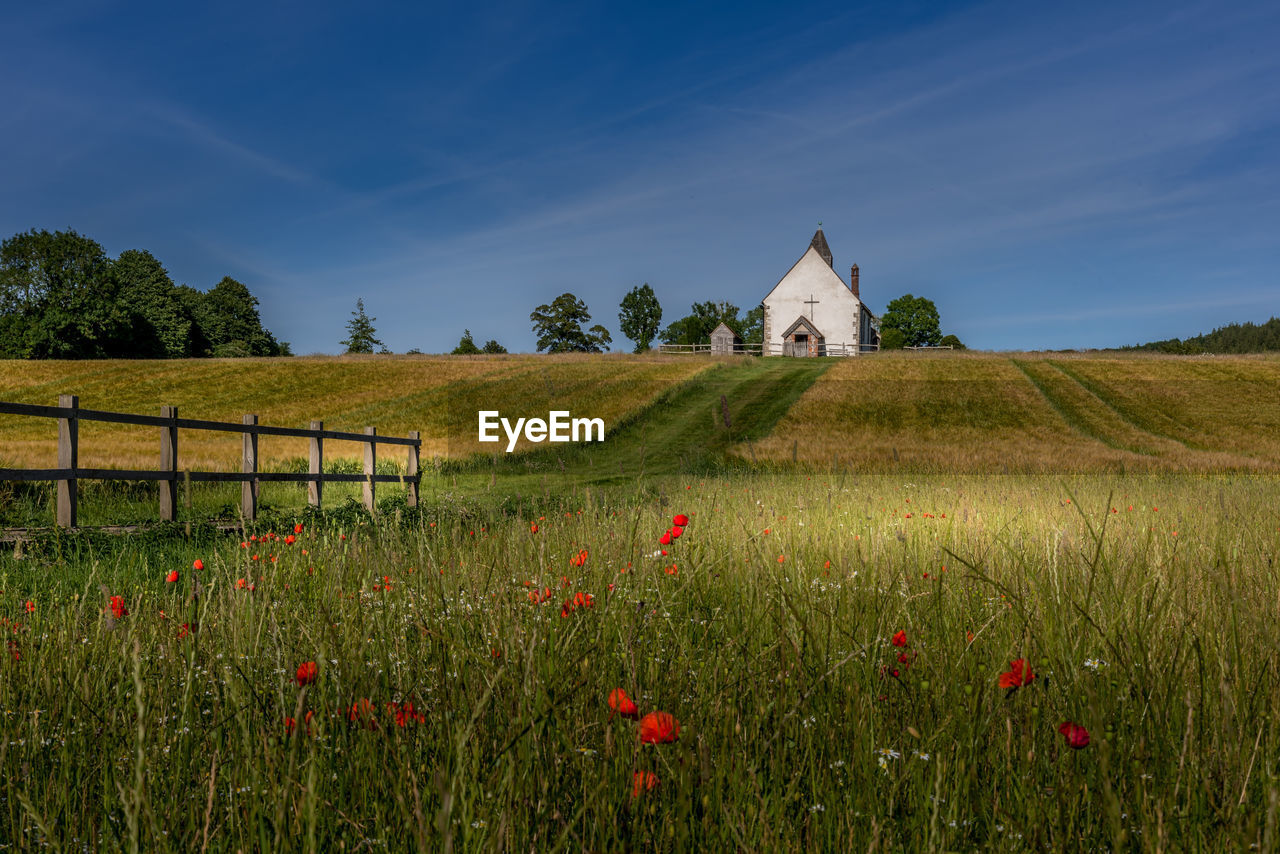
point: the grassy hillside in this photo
(993, 413)
(438, 396)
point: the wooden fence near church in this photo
(69, 415)
(769, 350)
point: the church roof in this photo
(807, 324)
(819, 243)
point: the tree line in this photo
(63, 297)
(1232, 338)
(908, 321)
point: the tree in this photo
(640, 316)
(58, 299)
(466, 345)
(559, 327)
(752, 331)
(892, 339)
(228, 317)
(361, 336)
(696, 327)
(493, 347)
(953, 342)
(916, 318)
(162, 322)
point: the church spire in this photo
(819, 243)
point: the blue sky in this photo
(1082, 175)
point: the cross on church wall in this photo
(811, 302)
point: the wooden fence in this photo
(69, 415)
(768, 350)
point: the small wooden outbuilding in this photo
(725, 340)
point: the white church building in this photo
(812, 312)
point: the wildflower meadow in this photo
(754, 662)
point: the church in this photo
(812, 312)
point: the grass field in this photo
(450, 711)
(835, 637)
(1035, 413)
(396, 394)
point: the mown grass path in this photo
(684, 430)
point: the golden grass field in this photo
(904, 412)
(436, 395)
(962, 412)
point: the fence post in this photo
(370, 462)
(315, 486)
(68, 458)
(249, 488)
(169, 464)
(411, 469)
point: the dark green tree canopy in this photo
(697, 326)
(58, 298)
(361, 336)
(953, 342)
(916, 318)
(493, 347)
(1232, 338)
(640, 316)
(558, 326)
(466, 345)
(892, 339)
(161, 321)
(61, 297)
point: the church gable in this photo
(813, 291)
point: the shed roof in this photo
(723, 329)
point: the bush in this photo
(892, 339)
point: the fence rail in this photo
(69, 415)
(769, 349)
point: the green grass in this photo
(1153, 626)
(991, 413)
(396, 394)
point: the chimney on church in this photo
(853, 281)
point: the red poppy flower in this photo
(184, 630)
(307, 673)
(665, 539)
(290, 540)
(900, 639)
(31, 607)
(118, 610)
(290, 724)
(172, 576)
(681, 520)
(659, 728)
(1077, 736)
(643, 781)
(1019, 674)
(676, 531)
(197, 565)
(623, 704)
(297, 529)
(406, 714)
(363, 713)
